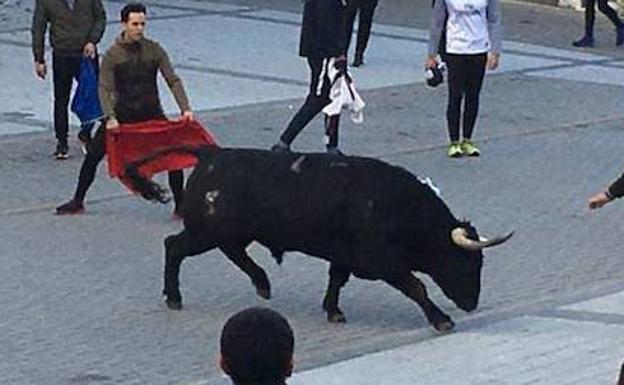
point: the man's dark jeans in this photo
(64, 70)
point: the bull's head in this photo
(460, 277)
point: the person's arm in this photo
(173, 81)
(615, 190)
(107, 90)
(495, 32)
(438, 19)
(38, 31)
(97, 30)
(99, 23)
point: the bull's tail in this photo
(151, 190)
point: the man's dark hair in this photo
(257, 346)
(131, 8)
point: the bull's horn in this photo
(460, 237)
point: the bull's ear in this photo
(289, 367)
(223, 364)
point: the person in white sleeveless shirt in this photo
(473, 42)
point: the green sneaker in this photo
(454, 150)
(469, 149)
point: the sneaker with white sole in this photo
(454, 150)
(469, 149)
(61, 152)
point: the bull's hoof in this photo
(336, 318)
(264, 293)
(173, 304)
(444, 326)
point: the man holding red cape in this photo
(129, 96)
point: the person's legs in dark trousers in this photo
(331, 134)
(96, 149)
(95, 153)
(176, 183)
(457, 74)
(365, 24)
(609, 12)
(314, 103)
(475, 70)
(590, 16)
(64, 71)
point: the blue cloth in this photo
(86, 101)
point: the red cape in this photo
(136, 141)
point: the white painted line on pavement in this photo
(585, 73)
(519, 351)
(610, 304)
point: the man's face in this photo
(135, 26)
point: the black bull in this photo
(364, 216)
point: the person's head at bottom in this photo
(257, 347)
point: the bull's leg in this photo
(414, 289)
(238, 255)
(338, 277)
(178, 247)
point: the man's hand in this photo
(89, 50)
(492, 61)
(111, 124)
(598, 200)
(41, 70)
(187, 115)
(431, 62)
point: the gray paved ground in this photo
(80, 296)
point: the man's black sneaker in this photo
(61, 152)
(585, 41)
(72, 207)
(358, 60)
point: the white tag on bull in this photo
(429, 182)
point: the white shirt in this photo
(472, 26)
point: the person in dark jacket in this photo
(129, 93)
(257, 346)
(76, 27)
(615, 190)
(366, 9)
(587, 40)
(323, 44)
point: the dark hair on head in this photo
(257, 346)
(131, 8)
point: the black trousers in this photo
(317, 98)
(96, 149)
(465, 78)
(64, 70)
(366, 8)
(590, 15)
